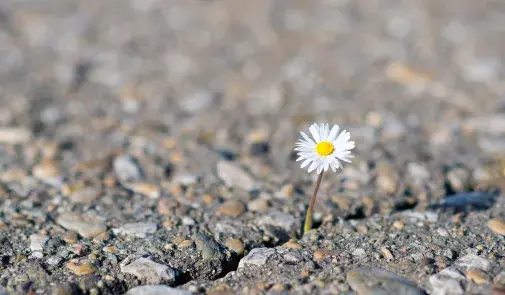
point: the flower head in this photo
(327, 148)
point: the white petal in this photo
(326, 164)
(313, 166)
(319, 169)
(314, 130)
(306, 137)
(305, 163)
(333, 133)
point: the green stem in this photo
(308, 217)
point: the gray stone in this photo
(445, 285)
(359, 252)
(149, 271)
(84, 196)
(127, 169)
(428, 216)
(292, 257)
(279, 219)
(474, 261)
(137, 229)
(37, 242)
(157, 290)
(375, 281)
(86, 227)
(481, 200)
(234, 176)
(257, 257)
(209, 248)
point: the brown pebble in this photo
(185, 244)
(47, 168)
(102, 237)
(168, 224)
(207, 199)
(287, 190)
(110, 249)
(278, 287)
(78, 249)
(146, 189)
(497, 225)
(258, 205)
(398, 224)
(321, 254)
(81, 269)
(368, 204)
(342, 202)
(232, 208)
(166, 206)
(70, 237)
(235, 245)
(387, 254)
(304, 273)
(477, 276)
(292, 245)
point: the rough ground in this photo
(146, 145)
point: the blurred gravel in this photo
(151, 142)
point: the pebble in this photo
(149, 271)
(428, 216)
(70, 237)
(359, 252)
(81, 269)
(283, 220)
(398, 224)
(84, 196)
(166, 206)
(292, 245)
(474, 261)
(185, 244)
(497, 225)
(458, 179)
(445, 285)
(157, 290)
(234, 176)
(321, 254)
(15, 135)
(186, 220)
(46, 169)
(387, 254)
(235, 245)
(477, 276)
(86, 227)
(257, 257)
(258, 205)
(371, 280)
(482, 200)
(37, 242)
(232, 208)
(146, 189)
(292, 257)
(209, 248)
(259, 148)
(387, 180)
(137, 229)
(418, 173)
(127, 169)
(393, 129)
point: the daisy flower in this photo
(327, 149)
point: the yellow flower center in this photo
(324, 148)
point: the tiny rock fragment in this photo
(232, 208)
(15, 135)
(235, 245)
(81, 269)
(477, 276)
(46, 169)
(321, 254)
(497, 225)
(234, 176)
(387, 254)
(292, 245)
(149, 271)
(146, 189)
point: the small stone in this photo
(221, 289)
(54, 260)
(387, 179)
(292, 245)
(458, 179)
(359, 252)
(84, 196)
(166, 206)
(480, 200)
(102, 237)
(477, 276)
(78, 249)
(70, 237)
(149, 271)
(371, 280)
(81, 269)
(442, 232)
(257, 257)
(497, 225)
(209, 248)
(387, 254)
(110, 249)
(235, 245)
(418, 173)
(398, 224)
(258, 205)
(127, 169)
(474, 261)
(157, 290)
(232, 208)
(321, 254)
(46, 169)
(37, 242)
(186, 220)
(15, 135)
(137, 229)
(234, 176)
(445, 285)
(86, 227)
(282, 220)
(185, 244)
(292, 257)
(287, 190)
(149, 190)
